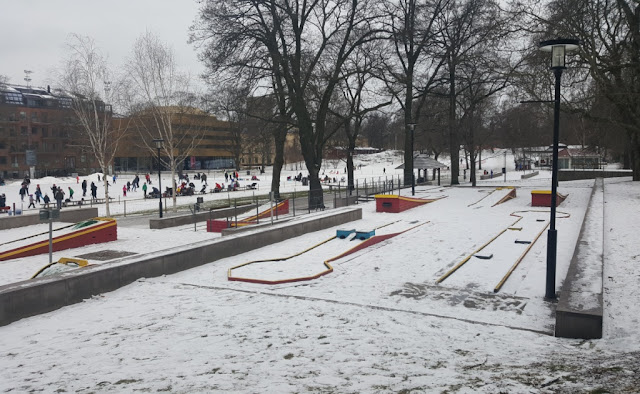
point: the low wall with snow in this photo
(574, 175)
(580, 308)
(67, 215)
(29, 298)
(181, 220)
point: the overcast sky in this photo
(33, 32)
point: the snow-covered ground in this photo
(378, 323)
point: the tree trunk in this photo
(351, 148)
(635, 157)
(105, 183)
(279, 137)
(454, 145)
(173, 185)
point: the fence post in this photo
(294, 202)
(235, 210)
(125, 208)
(257, 209)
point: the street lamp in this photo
(158, 144)
(558, 48)
(412, 127)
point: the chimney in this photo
(48, 89)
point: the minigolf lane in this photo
(490, 265)
(314, 262)
(494, 197)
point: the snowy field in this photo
(378, 323)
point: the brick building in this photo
(38, 136)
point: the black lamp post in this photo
(159, 146)
(412, 127)
(558, 49)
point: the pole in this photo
(552, 234)
(505, 166)
(159, 186)
(50, 237)
(413, 177)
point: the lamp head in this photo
(559, 48)
(158, 143)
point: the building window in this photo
(13, 98)
(3, 160)
(23, 130)
(45, 132)
(12, 132)
(34, 130)
(23, 115)
(45, 117)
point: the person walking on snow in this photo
(94, 191)
(38, 194)
(124, 190)
(144, 189)
(70, 193)
(84, 188)
(59, 196)
(32, 203)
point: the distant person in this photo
(59, 196)
(32, 202)
(38, 194)
(114, 179)
(94, 191)
(124, 190)
(144, 189)
(84, 188)
(46, 200)
(71, 193)
(23, 192)
(98, 177)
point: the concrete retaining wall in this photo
(574, 175)
(529, 175)
(67, 215)
(580, 308)
(28, 298)
(181, 220)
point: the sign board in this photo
(46, 214)
(32, 159)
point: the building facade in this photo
(38, 134)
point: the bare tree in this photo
(414, 71)
(164, 104)
(469, 24)
(360, 97)
(93, 90)
(609, 32)
(230, 101)
(299, 47)
(4, 79)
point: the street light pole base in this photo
(552, 242)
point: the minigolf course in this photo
(217, 225)
(542, 198)
(63, 264)
(495, 197)
(315, 261)
(394, 203)
(87, 232)
(492, 263)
